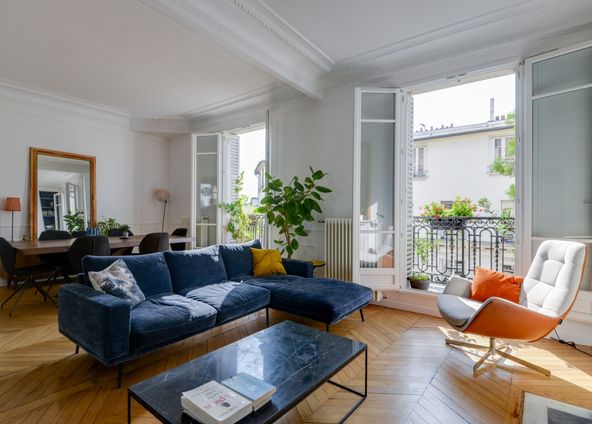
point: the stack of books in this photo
(227, 402)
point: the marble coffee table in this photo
(294, 358)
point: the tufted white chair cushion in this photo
(553, 279)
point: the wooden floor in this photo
(413, 376)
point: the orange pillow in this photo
(488, 283)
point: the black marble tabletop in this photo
(294, 358)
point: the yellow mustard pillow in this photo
(267, 262)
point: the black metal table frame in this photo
(293, 403)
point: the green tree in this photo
(506, 166)
(239, 223)
(289, 206)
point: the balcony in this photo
(456, 245)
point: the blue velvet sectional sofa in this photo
(189, 292)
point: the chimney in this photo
(491, 109)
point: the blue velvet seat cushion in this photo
(150, 271)
(232, 300)
(155, 323)
(238, 259)
(195, 268)
(321, 299)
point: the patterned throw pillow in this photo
(267, 262)
(117, 280)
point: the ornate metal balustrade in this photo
(443, 246)
(257, 226)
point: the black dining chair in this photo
(182, 232)
(29, 273)
(84, 246)
(58, 260)
(154, 242)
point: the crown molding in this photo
(366, 60)
(250, 30)
(164, 126)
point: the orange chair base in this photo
(492, 351)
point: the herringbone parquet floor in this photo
(413, 376)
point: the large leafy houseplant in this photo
(289, 206)
(75, 221)
(239, 222)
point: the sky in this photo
(252, 150)
(464, 104)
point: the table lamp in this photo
(12, 204)
(163, 196)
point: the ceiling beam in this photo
(253, 32)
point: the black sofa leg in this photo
(77, 350)
(327, 327)
(119, 375)
(362, 314)
(267, 316)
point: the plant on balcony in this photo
(239, 224)
(449, 218)
(289, 206)
(423, 248)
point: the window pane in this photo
(562, 175)
(207, 189)
(377, 176)
(378, 106)
(376, 249)
(207, 144)
(562, 72)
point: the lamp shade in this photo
(162, 195)
(12, 204)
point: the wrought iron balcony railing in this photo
(443, 246)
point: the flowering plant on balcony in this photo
(459, 208)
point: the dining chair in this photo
(182, 232)
(154, 242)
(84, 246)
(58, 260)
(29, 273)
(117, 232)
(547, 294)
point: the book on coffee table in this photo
(214, 403)
(252, 388)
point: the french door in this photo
(382, 186)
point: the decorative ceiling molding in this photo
(362, 61)
(249, 30)
(162, 126)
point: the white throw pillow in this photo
(117, 280)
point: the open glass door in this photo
(207, 178)
(380, 196)
(557, 177)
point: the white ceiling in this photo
(344, 29)
(191, 58)
(119, 54)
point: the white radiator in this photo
(338, 248)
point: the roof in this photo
(464, 129)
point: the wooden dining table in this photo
(37, 247)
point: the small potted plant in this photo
(423, 248)
(125, 230)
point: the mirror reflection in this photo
(63, 192)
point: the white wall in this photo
(317, 133)
(129, 165)
(458, 166)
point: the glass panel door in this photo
(207, 189)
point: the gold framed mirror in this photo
(62, 191)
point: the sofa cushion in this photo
(150, 271)
(118, 281)
(267, 262)
(321, 299)
(195, 268)
(238, 259)
(161, 320)
(232, 300)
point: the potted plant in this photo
(449, 218)
(125, 230)
(75, 221)
(423, 248)
(289, 206)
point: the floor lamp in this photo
(163, 196)
(12, 204)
